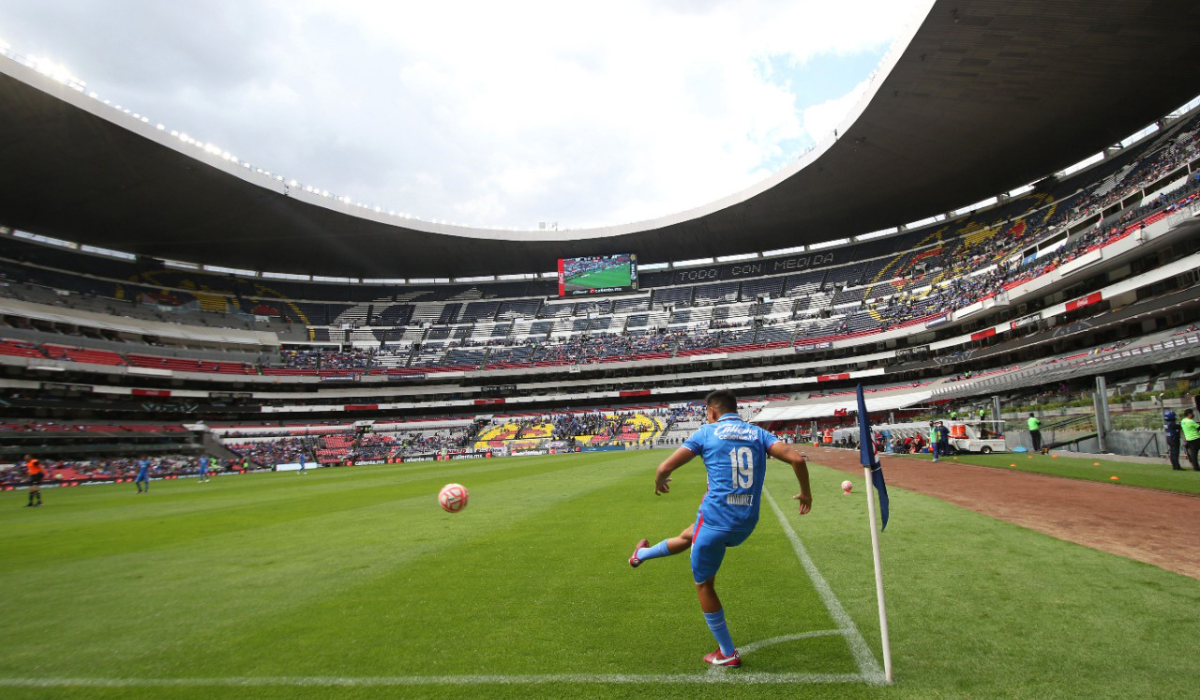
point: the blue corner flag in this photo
(866, 447)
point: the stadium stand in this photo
(944, 307)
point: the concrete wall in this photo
(1138, 443)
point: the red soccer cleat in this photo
(634, 561)
(716, 658)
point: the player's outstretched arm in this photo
(787, 453)
(662, 477)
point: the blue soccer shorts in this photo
(708, 549)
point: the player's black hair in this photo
(723, 400)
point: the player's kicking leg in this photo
(669, 546)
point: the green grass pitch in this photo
(1153, 476)
(352, 583)
(603, 279)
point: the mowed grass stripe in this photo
(136, 604)
(85, 524)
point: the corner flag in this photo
(874, 469)
(866, 447)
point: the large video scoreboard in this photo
(597, 274)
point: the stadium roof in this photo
(987, 96)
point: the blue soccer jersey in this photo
(735, 456)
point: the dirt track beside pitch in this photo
(1156, 527)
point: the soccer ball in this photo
(453, 497)
(846, 486)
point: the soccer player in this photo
(203, 468)
(35, 471)
(735, 457)
(302, 462)
(143, 474)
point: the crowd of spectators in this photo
(583, 349)
(349, 445)
(958, 261)
(422, 441)
(373, 447)
(571, 425)
(347, 358)
(268, 453)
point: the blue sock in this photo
(658, 550)
(716, 623)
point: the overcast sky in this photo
(483, 113)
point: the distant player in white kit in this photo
(735, 456)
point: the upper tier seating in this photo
(899, 280)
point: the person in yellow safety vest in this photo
(933, 440)
(1035, 432)
(1191, 437)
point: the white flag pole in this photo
(883, 626)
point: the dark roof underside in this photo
(990, 95)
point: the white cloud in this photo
(820, 120)
(490, 113)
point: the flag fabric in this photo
(866, 447)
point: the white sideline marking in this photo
(867, 665)
(369, 681)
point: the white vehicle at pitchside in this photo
(965, 436)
